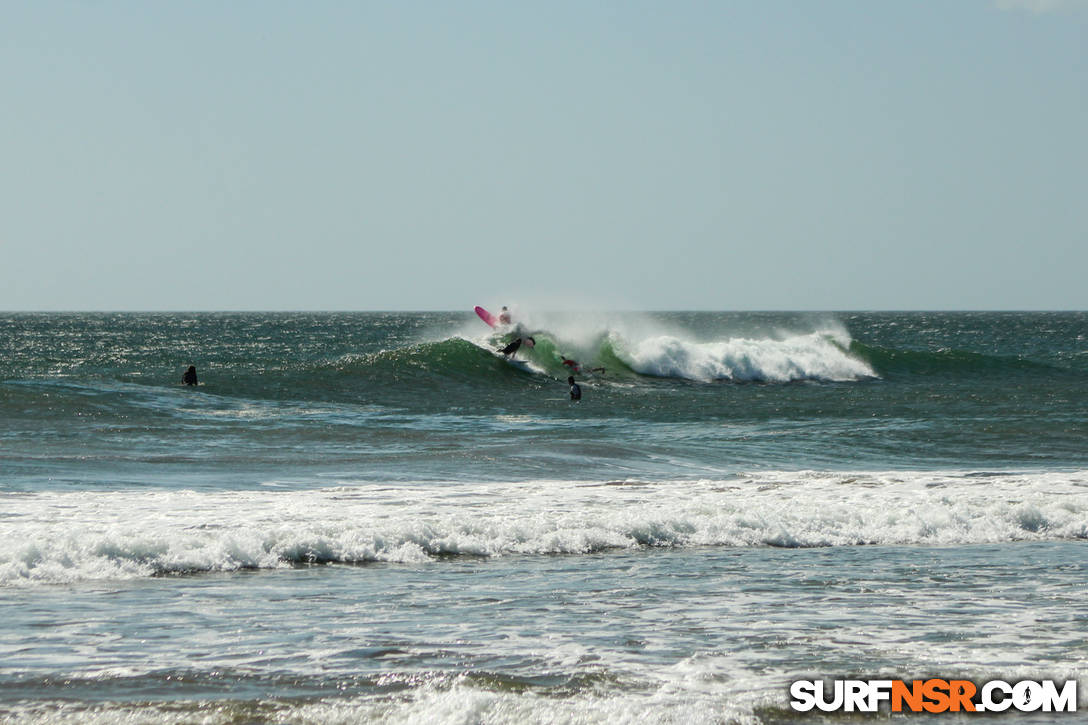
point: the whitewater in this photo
(69, 537)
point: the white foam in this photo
(698, 690)
(691, 692)
(655, 347)
(64, 537)
(813, 356)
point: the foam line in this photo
(65, 537)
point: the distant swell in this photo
(952, 363)
(64, 537)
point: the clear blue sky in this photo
(625, 155)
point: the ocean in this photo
(375, 517)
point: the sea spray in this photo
(805, 357)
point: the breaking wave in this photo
(806, 357)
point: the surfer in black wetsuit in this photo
(575, 390)
(511, 349)
(189, 378)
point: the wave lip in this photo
(814, 356)
(54, 538)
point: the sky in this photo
(630, 155)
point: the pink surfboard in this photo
(486, 316)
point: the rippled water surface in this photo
(376, 517)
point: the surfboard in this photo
(486, 316)
(522, 365)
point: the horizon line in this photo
(238, 311)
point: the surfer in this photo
(575, 390)
(575, 367)
(504, 316)
(511, 349)
(189, 378)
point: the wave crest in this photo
(805, 357)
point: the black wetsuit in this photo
(512, 347)
(575, 391)
(189, 378)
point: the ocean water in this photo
(375, 517)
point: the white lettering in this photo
(854, 696)
(836, 702)
(803, 693)
(989, 704)
(1064, 701)
(879, 690)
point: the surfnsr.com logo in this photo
(934, 695)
